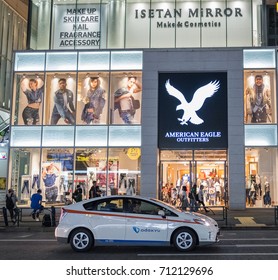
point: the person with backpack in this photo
(11, 200)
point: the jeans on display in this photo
(56, 117)
(62, 185)
(25, 185)
(51, 193)
(267, 199)
(122, 182)
(131, 184)
(30, 116)
(36, 181)
(127, 116)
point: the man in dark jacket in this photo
(63, 104)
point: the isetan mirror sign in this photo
(193, 110)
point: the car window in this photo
(141, 207)
(169, 213)
(105, 205)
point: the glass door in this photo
(184, 168)
(212, 174)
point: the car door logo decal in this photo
(136, 229)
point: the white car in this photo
(132, 221)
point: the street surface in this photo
(248, 244)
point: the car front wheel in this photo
(81, 240)
(184, 240)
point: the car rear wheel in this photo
(81, 240)
(185, 240)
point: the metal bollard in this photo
(5, 216)
(53, 216)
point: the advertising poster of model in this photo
(30, 100)
(92, 109)
(51, 172)
(127, 99)
(258, 98)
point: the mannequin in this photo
(267, 198)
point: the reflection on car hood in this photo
(195, 215)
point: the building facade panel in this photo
(186, 101)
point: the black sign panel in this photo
(193, 110)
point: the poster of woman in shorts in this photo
(51, 172)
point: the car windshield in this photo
(167, 204)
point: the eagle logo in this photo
(199, 97)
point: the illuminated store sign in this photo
(192, 110)
(78, 28)
(93, 26)
(184, 16)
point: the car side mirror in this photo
(161, 213)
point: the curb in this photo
(24, 229)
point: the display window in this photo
(259, 97)
(25, 173)
(115, 173)
(56, 175)
(60, 107)
(261, 177)
(28, 98)
(126, 95)
(92, 98)
(124, 171)
(88, 168)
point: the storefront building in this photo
(139, 95)
(13, 34)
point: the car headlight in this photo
(201, 222)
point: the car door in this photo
(108, 220)
(143, 224)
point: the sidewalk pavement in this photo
(251, 218)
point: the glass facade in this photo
(72, 127)
(102, 24)
(260, 118)
(13, 37)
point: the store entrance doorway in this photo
(180, 168)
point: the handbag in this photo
(135, 103)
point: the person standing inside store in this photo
(258, 102)
(11, 200)
(94, 190)
(193, 198)
(77, 194)
(184, 199)
(63, 104)
(36, 205)
(33, 89)
(201, 198)
(124, 100)
(95, 102)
